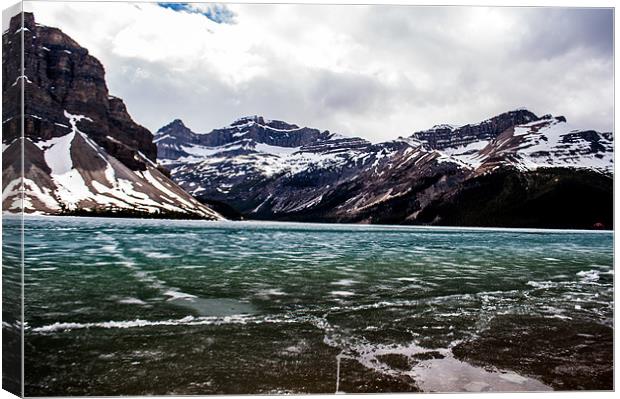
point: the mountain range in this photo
(515, 169)
(83, 154)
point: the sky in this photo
(377, 72)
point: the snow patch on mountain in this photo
(468, 155)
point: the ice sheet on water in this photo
(589, 275)
(345, 282)
(342, 293)
(132, 301)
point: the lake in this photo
(132, 307)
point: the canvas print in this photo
(205, 198)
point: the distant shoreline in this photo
(367, 226)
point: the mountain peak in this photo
(16, 22)
(175, 123)
(520, 109)
(276, 125)
(247, 119)
(443, 126)
(174, 128)
(517, 116)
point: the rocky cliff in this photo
(82, 150)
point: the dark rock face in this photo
(443, 136)
(594, 138)
(83, 154)
(168, 148)
(61, 76)
(547, 198)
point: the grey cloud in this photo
(442, 67)
(347, 92)
(554, 32)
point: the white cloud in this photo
(372, 71)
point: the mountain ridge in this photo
(444, 135)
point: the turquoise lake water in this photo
(125, 306)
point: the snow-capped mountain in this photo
(82, 152)
(251, 148)
(275, 170)
(543, 142)
(552, 142)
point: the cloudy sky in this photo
(373, 71)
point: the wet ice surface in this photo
(205, 308)
(452, 375)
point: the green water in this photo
(119, 306)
